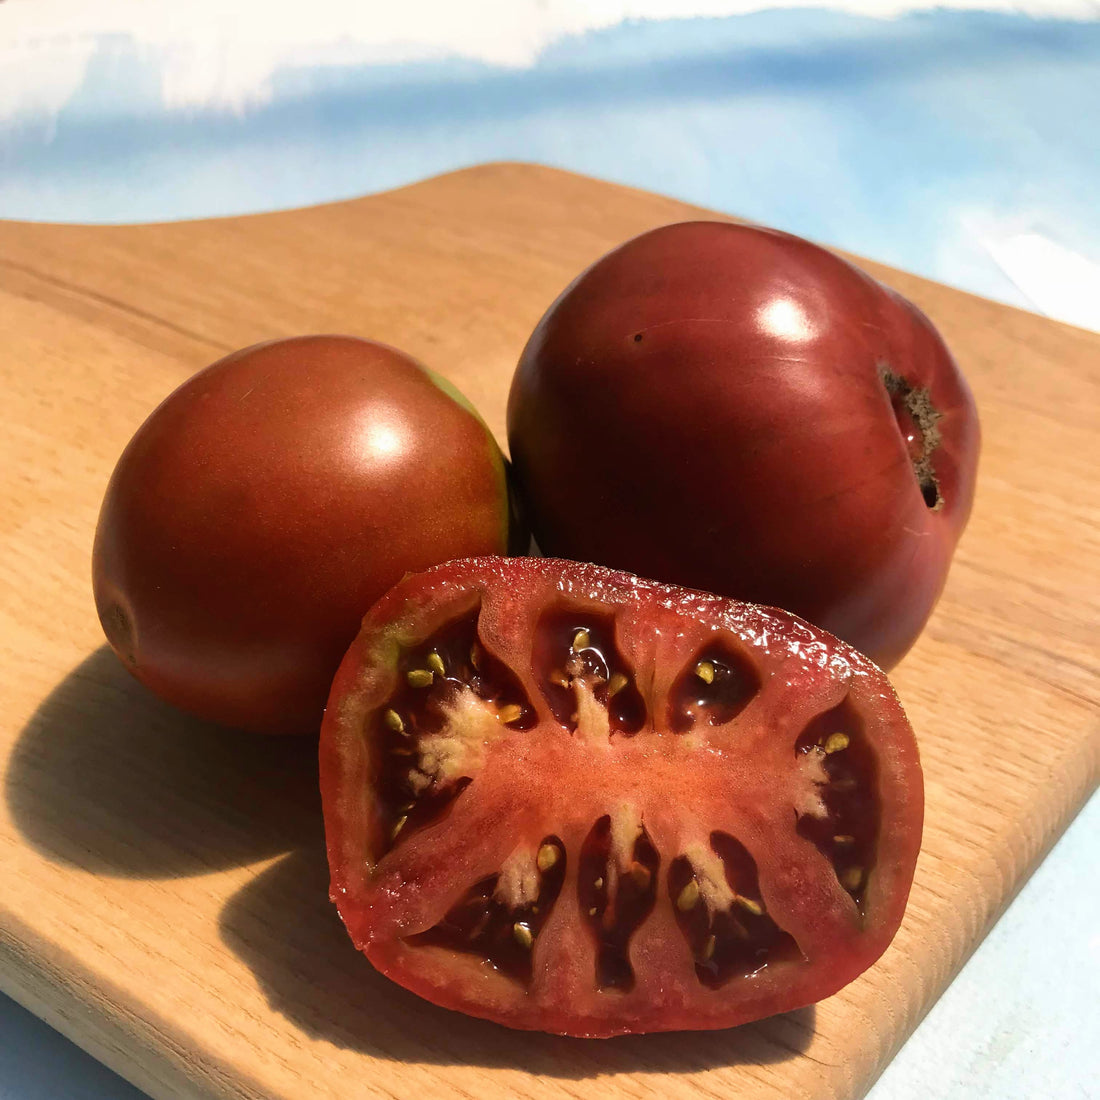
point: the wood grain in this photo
(164, 888)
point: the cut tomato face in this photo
(564, 798)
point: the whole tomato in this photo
(732, 408)
(267, 503)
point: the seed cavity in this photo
(585, 678)
(713, 689)
(839, 810)
(715, 894)
(617, 890)
(500, 917)
(433, 734)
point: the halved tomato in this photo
(564, 798)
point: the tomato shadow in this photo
(110, 779)
(284, 928)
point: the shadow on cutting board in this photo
(288, 932)
(107, 777)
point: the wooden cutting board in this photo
(162, 882)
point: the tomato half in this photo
(564, 798)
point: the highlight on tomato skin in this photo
(564, 798)
(267, 502)
(732, 408)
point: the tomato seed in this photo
(581, 640)
(705, 671)
(419, 677)
(688, 897)
(852, 878)
(547, 857)
(435, 663)
(522, 935)
(509, 713)
(393, 721)
(836, 742)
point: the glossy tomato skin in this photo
(710, 405)
(266, 504)
(504, 849)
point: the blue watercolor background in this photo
(887, 137)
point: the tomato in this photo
(564, 798)
(267, 503)
(735, 409)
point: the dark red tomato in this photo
(267, 503)
(564, 798)
(735, 409)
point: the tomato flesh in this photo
(564, 798)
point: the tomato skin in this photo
(538, 780)
(263, 507)
(705, 405)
